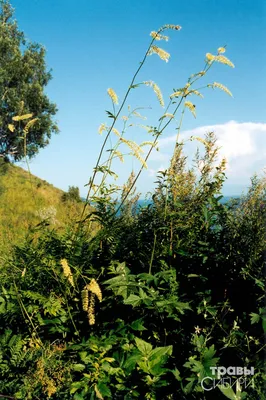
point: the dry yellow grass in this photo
(25, 200)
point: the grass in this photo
(26, 200)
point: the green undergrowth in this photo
(143, 308)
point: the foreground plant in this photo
(102, 191)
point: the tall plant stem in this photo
(110, 129)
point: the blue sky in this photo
(94, 45)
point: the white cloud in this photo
(242, 144)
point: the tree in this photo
(72, 194)
(23, 77)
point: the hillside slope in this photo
(25, 200)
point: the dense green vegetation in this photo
(181, 289)
(137, 304)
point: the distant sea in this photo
(224, 200)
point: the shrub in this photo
(72, 195)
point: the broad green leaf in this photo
(138, 325)
(144, 366)
(103, 390)
(75, 386)
(130, 363)
(116, 281)
(209, 352)
(144, 347)
(78, 367)
(159, 352)
(133, 300)
(142, 294)
(98, 393)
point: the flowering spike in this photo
(113, 95)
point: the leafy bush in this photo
(72, 194)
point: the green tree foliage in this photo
(72, 194)
(23, 77)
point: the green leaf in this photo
(159, 352)
(110, 115)
(144, 366)
(209, 353)
(144, 347)
(85, 357)
(176, 374)
(133, 300)
(78, 367)
(75, 386)
(142, 294)
(131, 362)
(104, 390)
(116, 281)
(78, 396)
(138, 325)
(254, 318)
(135, 86)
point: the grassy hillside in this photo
(26, 200)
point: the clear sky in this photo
(94, 45)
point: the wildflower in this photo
(85, 299)
(197, 330)
(221, 50)
(102, 128)
(113, 95)
(29, 124)
(176, 94)
(11, 127)
(116, 132)
(156, 90)
(174, 27)
(210, 57)
(222, 87)
(191, 107)
(91, 310)
(22, 117)
(221, 59)
(161, 53)
(224, 60)
(67, 271)
(157, 36)
(94, 288)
